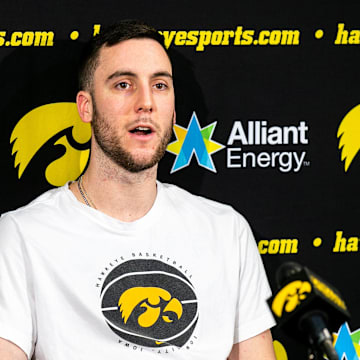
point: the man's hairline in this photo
(98, 52)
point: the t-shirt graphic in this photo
(149, 303)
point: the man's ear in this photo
(84, 105)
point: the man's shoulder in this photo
(186, 201)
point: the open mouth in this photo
(141, 130)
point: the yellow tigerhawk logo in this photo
(40, 125)
(150, 299)
(289, 297)
(349, 136)
(280, 352)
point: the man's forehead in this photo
(135, 53)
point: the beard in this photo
(110, 144)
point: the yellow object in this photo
(280, 351)
(148, 298)
(41, 124)
(290, 296)
(349, 136)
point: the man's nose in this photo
(144, 101)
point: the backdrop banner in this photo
(268, 121)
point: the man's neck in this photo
(117, 192)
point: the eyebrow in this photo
(130, 73)
(162, 73)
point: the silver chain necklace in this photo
(84, 194)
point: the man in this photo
(117, 265)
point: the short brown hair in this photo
(109, 36)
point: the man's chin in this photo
(139, 163)
(129, 157)
(137, 167)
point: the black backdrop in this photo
(286, 73)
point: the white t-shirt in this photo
(184, 282)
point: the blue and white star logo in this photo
(194, 140)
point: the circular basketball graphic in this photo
(149, 303)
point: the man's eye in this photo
(123, 85)
(160, 86)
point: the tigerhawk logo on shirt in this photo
(149, 303)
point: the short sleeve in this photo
(253, 315)
(16, 298)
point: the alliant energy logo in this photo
(250, 145)
(258, 134)
(349, 136)
(194, 141)
(347, 343)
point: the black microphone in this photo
(308, 308)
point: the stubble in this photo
(110, 143)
